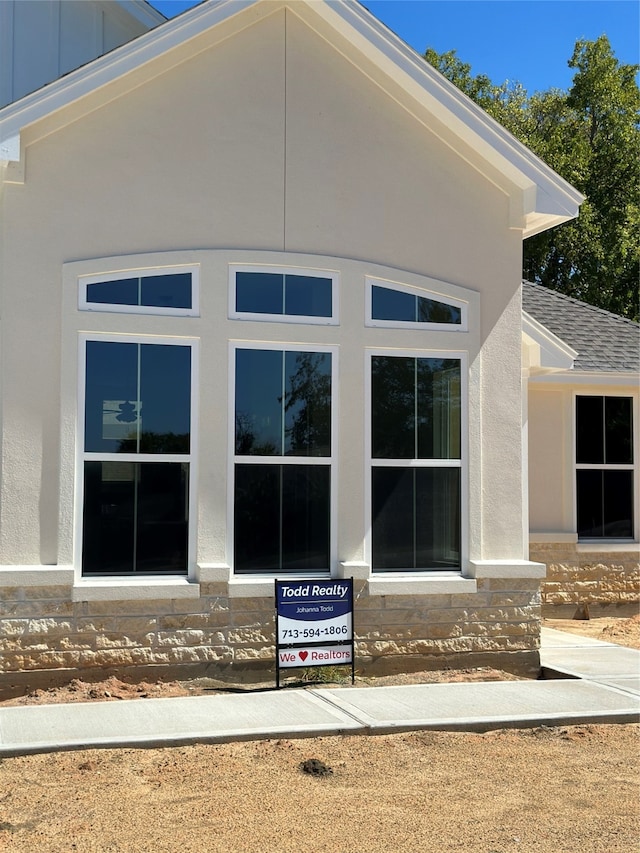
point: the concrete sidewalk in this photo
(592, 682)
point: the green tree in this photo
(591, 136)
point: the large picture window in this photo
(137, 454)
(415, 463)
(604, 467)
(283, 452)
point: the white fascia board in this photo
(554, 353)
(542, 198)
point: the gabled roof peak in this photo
(538, 197)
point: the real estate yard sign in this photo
(314, 624)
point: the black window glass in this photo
(112, 406)
(398, 306)
(307, 296)
(135, 518)
(387, 304)
(393, 383)
(172, 290)
(277, 293)
(282, 518)
(438, 408)
(589, 430)
(283, 403)
(307, 407)
(122, 292)
(415, 518)
(415, 408)
(604, 503)
(618, 431)
(431, 311)
(166, 291)
(260, 292)
(137, 398)
(259, 402)
(618, 503)
(165, 395)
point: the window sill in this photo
(140, 590)
(607, 546)
(442, 583)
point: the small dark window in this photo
(399, 306)
(167, 290)
(283, 294)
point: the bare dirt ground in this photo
(547, 790)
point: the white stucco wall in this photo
(272, 141)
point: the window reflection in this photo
(137, 398)
(282, 510)
(415, 408)
(169, 290)
(283, 293)
(400, 306)
(283, 403)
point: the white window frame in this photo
(413, 290)
(462, 463)
(330, 461)
(604, 466)
(333, 320)
(83, 456)
(141, 272)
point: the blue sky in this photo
(526, 40)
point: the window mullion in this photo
(138, 401)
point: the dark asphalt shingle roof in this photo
(604, 342)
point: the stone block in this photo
(35, 609)
(411, 602)
(13, 627)
(45, 593)
(252, 605)
(201, 654)
(76, 642)
(213, 590)
(183, 605)
(49, 627)
(253, 654)
(118, 640)
(258, 635)
(135, 626)
(179, 638)
(136, 607)
(96, 624)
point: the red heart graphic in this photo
(303, 656)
